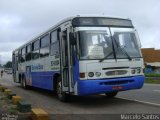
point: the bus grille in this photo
(116, 72)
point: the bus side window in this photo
(54, 50)
(19, 56)
(44, 44)
(35, 49)
(28, 52)
(23, 52)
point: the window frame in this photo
(56, 35)
(46, 46)
(48, 34)
(23, 54)
(55, 42)
(29, 52)
(33, 45)
(35, 49)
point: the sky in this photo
(22, 20)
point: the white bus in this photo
(82, 55)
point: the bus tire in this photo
(111, 94)
(23, 83)
(62, 96)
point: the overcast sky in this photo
(21, 20)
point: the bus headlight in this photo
(90, 74)
(133, 71)
(98, 74)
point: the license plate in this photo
(117, 87)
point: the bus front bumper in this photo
(89, 87)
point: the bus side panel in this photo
(88, 87)
(43, 80)
(76, 76)
(76, 72)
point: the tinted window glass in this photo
(22, 58)
(28, 52)
(36, 45)
(19, 56)
(96, 21)
(45, 41)
(28, 49)
(35, 54)
(54, 48)
(22, 55)
(28, 56)
(54, 37)
(23, 51)
(44, 51)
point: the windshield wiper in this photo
(125, 52)
(122, 49)
(101, 60)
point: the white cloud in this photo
(22, 20)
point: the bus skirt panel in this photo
(88, 87)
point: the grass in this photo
(12, 110)
(152, 75)
(150, 80)
(6, 105)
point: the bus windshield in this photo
(109, 43)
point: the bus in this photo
(82, 55)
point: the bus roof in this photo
(66, 20)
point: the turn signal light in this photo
(82, 75)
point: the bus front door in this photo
(65, 62)
(15, 68)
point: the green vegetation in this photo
(153, 81)
(12, 110)
(8, 64)
(152, 75)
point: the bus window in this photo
(28, 52)
(19, 56)
(35, 49)
(23, 52)
(54, 36)
(45, 41)
(54, 43)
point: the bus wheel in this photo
(60, 94)
(111, 95)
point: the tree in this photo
(8, 64)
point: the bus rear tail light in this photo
(82, 75)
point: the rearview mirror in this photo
(72, 39)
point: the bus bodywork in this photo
(82, 56)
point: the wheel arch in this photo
(55, 77)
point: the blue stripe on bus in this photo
(43, 80)
(75, 72)
(88, 87)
